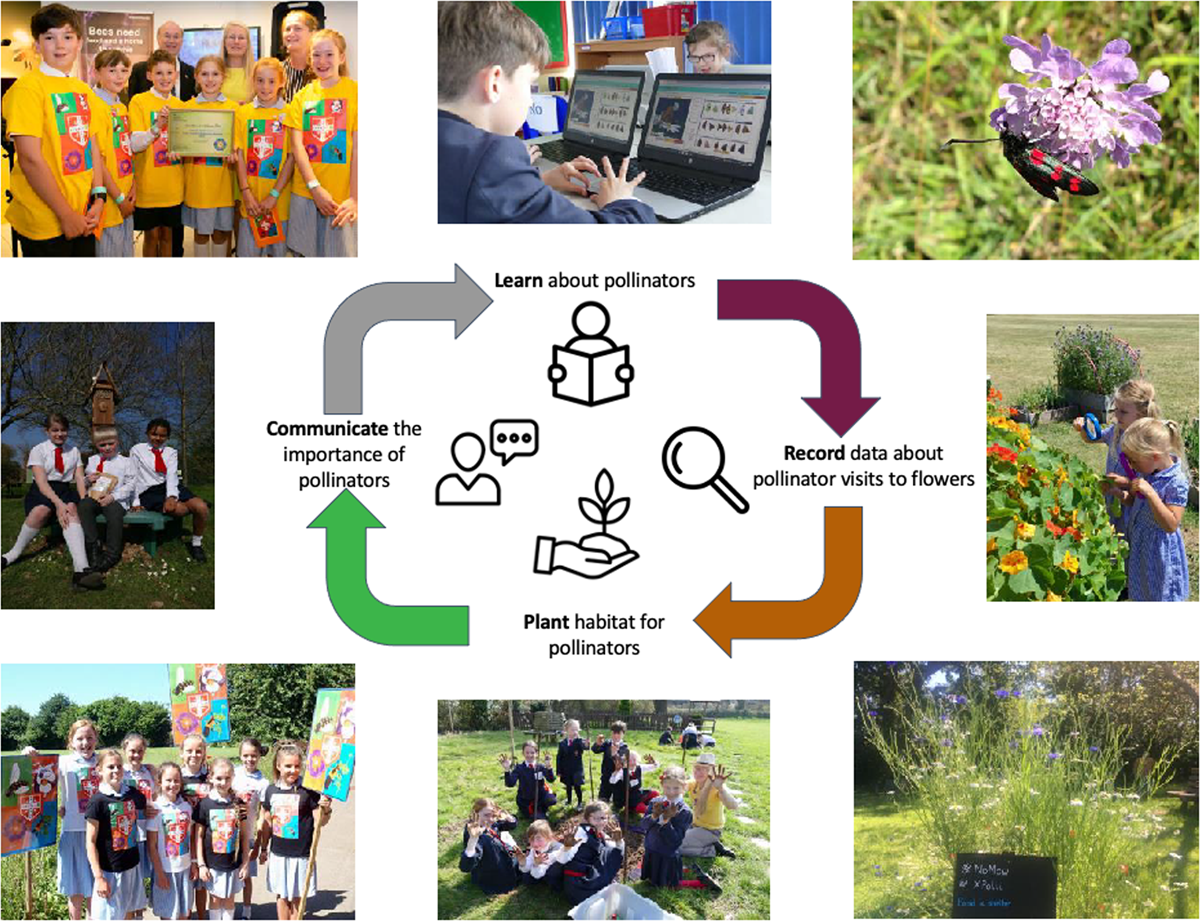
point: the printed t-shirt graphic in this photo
(73, 115)
(117, 149)
(223, 824)
(122, 821)
(327, 118)
(262, 136)
(175, 826)
(285, 815)
(87, 782)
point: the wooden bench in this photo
(153, 528)
(1189, 793)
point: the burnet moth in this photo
(1041, 170)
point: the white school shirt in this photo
(79, 780)
(142, 456)
(558, 854)
(42, 455)
(143, 782)
(249, 789)
(174, 826)
(126, 473)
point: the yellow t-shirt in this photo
(159, 181)
(209, 179)
(713, 816)
(64, 113)
(237, 85)
(259, 133)
(118, 154)
(328, 118)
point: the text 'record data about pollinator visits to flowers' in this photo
(489, 440)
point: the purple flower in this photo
(960, 699)
(1016, 693)
(1037, 731)
(1054, 756)
(1093, 748)
(947, 743)
(1081, 115)
(1000, 692)
(872, 713)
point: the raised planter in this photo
(1098, 404)
(1056, 415)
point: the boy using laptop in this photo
(58, 180)
(488, 55)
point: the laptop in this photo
(703, 143)
(601, 119)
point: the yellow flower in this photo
(1062, 475)
(991, 546)
(1025, 530)
(1012, 563)
(1050, 596)
(1024, 475)
(1070, 563)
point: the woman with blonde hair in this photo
(237, 51)
(298, 29)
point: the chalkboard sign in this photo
(1004, 886)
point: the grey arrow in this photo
(460, 300)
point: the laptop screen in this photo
(604, 108)
(715, 121)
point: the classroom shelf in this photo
(594, 55)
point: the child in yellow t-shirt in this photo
(264, 164)
(208, 197)
(157, 174)
(115, 136)
(323, 122)
(58, 188)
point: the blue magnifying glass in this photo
(1091, 427)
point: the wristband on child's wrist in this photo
(313, 183)
(275, 194)
(120, 199)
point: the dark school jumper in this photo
(569, 764)
(531, 783)
(662, 865)
(593, 867)
(493, 866)
(608, 766)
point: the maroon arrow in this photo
(841, 403)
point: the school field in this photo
(1020, 357)
(41, 578)
(469, 768)
(335, 898)
(893, 877)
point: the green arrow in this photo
(344, 519)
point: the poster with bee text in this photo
(30, 802)
(330, 765)
(199, 702)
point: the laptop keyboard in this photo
(689, 188)
(557, 151)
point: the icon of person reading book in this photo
(467, 450)
(590, 369)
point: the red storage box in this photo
(671, 19)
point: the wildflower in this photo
(1013, 411)
(960, 699)
(954, 807)
(1125, 868)
(1176, 856)
(947, 743)
(1037, 731)
(1014, 562)
(1006, 455)
(1076, 802)
(1132, 796)
(1070, 563)
(1081, 115)
(1071, 832)
(994, 395)
(1000, 692)
(1050, 596)
(1033, 792)
(1054, 756)
(1016, 693)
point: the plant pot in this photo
(1024, 416)
(1098, 404)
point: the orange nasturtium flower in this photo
(1012, 563)
(1070, 563)
(1050, 596)
(1025, 475)
(1025, 530)
(991, 546)
(995, 395)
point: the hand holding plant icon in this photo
(597, 554)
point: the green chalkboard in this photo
(552, 18)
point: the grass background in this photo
(470, 769)
(887, 834)
(47, 903)
(41, 578)
(1020, 355)
(926, 72)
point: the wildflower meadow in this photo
(1024, 758)
(1106, 88)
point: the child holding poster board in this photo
(208, 181)
(288, 807)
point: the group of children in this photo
(147, 479)
(196, 830)
(489, 54)
(1147, 481)
(590, 858)
(90, 171)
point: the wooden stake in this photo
(312, 865)
(591, 785)
(512, 743)
(28, 884)
(628, 778)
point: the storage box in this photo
(618, 901)
(616, 28)
(671, 19)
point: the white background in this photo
(923, 343)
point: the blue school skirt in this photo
(61, 488)
(125, 889)
(74, 876)
(154, 497)
(223, 884)
(116, 241)
(285, 876)
(310, 233)
(207, 220)
(176, 900)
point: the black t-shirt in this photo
(222, 833)
(195, 787)
(117, 834)
(291, 819)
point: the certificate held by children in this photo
(200, 132)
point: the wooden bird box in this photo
(103, 395)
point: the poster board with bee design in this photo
(30, 802)
(199, 702)
(331, 744)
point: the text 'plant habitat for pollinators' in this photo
(1049, 537)
(30, 802)
(331, 744)
(199, 702)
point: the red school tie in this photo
(159, 466)
(100, 469)
(58, 464)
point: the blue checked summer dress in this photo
(1157, 566)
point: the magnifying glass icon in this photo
(694, 458)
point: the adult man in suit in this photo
(170, 39)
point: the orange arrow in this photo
(725, 619)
